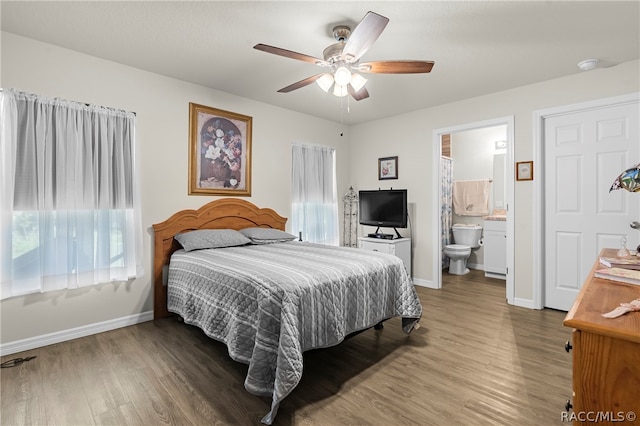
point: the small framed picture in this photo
(524, 170)
(388, 168)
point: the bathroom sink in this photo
(497, 214)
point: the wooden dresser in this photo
(606, 352)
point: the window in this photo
(69, 200)
(314, 194)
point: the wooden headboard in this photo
(225, 213)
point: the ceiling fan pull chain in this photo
(341, 117)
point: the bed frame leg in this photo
(379, 326)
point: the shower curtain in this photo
(446, 202)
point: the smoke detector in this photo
(588, 64)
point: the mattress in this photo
(270, 303)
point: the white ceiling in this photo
(478, 47)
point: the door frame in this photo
(539, 118)
(509, 197)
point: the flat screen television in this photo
(385, 208)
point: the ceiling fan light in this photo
(340, 90)
(357, 82)
(325, 81)
(342, 76)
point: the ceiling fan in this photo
(343, 59)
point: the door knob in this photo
(635, 225)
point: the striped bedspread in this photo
(270, 303)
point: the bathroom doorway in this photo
(503, 181)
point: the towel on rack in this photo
(471, 197)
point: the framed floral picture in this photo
(219, 152)
(388, 168)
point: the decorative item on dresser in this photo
(630, 276)
(247, 283)
(629, 180)
(606, 351)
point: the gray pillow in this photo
(267, 235)
(211, 238)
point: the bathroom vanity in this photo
(495, 247)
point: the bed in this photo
(272, 299)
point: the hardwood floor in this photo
(474, 361)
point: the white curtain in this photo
(69, 201)
(314, 194)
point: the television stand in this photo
(400, 247)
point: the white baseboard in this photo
(73, 333)
(495, 275)
(523, 303)
(423, 283)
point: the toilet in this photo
(465, 238)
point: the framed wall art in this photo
(388, 168)
(524, 170)
(219, 152)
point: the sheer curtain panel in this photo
(314, 198)
(69, 201)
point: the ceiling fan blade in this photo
(363, 36)
(396, 67)
(307, 81)
(290, 54)
(360, 94)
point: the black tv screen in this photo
(383, 207)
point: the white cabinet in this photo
(495, 248)
(400, 247)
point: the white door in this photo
(583, 154)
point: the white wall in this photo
(161, 105)
(369, 141)
(162, 108)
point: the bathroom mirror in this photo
(499, 180)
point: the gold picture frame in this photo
(219, 152)
(524, 170)
(387, 168)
